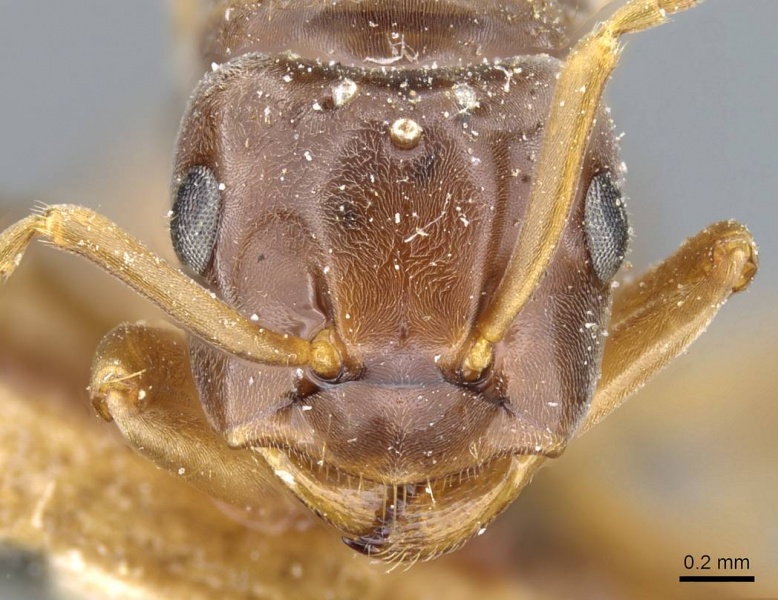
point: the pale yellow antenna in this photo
(574, 106)
(82, 231)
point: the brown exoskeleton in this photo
(404, 226)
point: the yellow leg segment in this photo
(658, 316)
(142, 381)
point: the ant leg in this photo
(82, 231)
(574, 106)
(657, 317)
(142, 381)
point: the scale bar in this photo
(720, 578)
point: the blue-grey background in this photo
(81, 80)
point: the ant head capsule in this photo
(404, 227)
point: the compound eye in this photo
(605, 222)
(194, 222)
